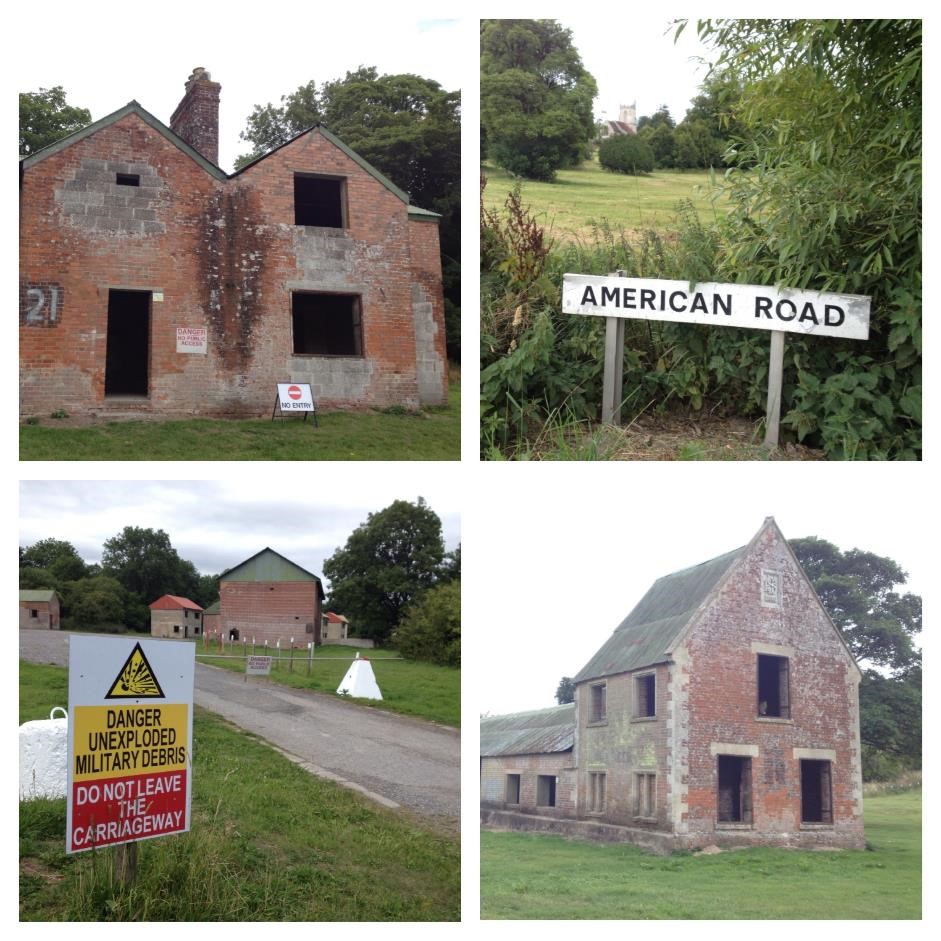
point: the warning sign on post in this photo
(130, 736)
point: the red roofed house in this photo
(333, 628)
(173, 616)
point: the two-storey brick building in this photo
(153, 283)
(724, 709)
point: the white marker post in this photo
(729, 305)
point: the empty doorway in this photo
(734, 790)
(127, 358)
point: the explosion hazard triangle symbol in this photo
(136, 679)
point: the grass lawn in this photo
(539, 876)
(269, 842)
(587, 194)
(433, 434)
(407, 686)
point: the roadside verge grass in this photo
(538, 876)
(433, 434)
(408, 687)
(268, 842)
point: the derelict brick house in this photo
(151, 282)
(527, 761)
(174, 616)
(39, 609)
(270, 598)
(723, 710)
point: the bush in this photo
(431, 630)
(626, 153)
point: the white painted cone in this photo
(360, 681)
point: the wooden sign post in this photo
(729, 305)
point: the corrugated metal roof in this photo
(212, 609)
(269, 566)
(37, 594)
(172, 602)
(644, 636)
(529, 733)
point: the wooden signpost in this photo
(753, 307)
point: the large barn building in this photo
(723, 710)
(269, 598)
(154, 283)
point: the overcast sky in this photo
(567, 556)
(303, 512)
(107, 54)
(633, 58)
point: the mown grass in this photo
(582, 197)
(434, 434)
(408, 687)
(539, 876)
(268, 843)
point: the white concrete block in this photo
(44, 755)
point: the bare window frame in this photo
(546, 790)
(598, 702)
(512, 787)
(597, 791)
(773, 686)
(315, 208)
(355, 314)
(645, 795)
(645, 695)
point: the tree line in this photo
(393, 580)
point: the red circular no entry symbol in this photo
(294, 392)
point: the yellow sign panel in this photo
(136, 679)
(127, 740)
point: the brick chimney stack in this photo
(196, 118)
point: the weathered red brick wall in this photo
(621, 746)
(428, 308)
(493, 772)
(47, 615)
(272, 611)
(715, 685)
(85, 234)
(226, 256)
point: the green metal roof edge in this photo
(251, 558)
(423, 215)
(132, 107)
(37, 594)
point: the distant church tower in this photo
(628, 115)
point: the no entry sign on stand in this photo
(130, 738)
(294, 398)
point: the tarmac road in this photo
(394, 760)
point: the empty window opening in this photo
(645, 695)
(773, 696)
(318, 201)
(327, 324)
(128, 179)
(512, 788)
(645, 795)
(545, 790)
(128, 345)
(176, 628)
(34, 612)
(816, 799)
(597, 706)
(734, 792)
(597, 782)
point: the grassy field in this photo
(268, 842)
(586, 195)
(538, 876)
(433, 434)
(407, 686)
